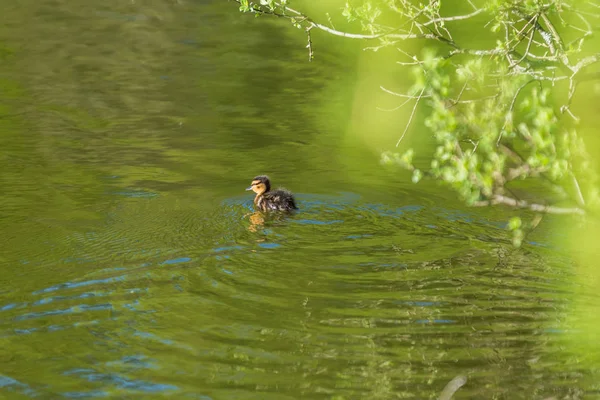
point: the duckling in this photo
(267, 200)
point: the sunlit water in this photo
(131, 268)
(344, 299)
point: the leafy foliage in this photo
(485, 140)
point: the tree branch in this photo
(303, 18)
(455, 18)
(509, 201)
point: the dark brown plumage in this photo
(267, 200)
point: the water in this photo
(130, 267)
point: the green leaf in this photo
(416, 176)
(514, 223)
(244, 6)
(518, 237)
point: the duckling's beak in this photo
(249, 188)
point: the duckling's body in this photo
(268, 200)
(277, 200)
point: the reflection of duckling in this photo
(267, 200)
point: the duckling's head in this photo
(260, 184)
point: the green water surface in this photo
(129, 266)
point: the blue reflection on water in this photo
(136, 194)
(70, 285)
(269, 245)
(152, 336)
(70, 310)
(47, 300)
(315, 222)
(225, 248)
(85, 395)
(15, 385)
(8, 307)
(177, 260)
(134, 362)
(358, 236)
(119, 381)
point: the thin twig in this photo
(405, 64)
(395, 108)
(578, 194)
(566, 107)
(512, 106)
(412, 114)
(455, 102)
(537, 218)
(407, 54)
(406, 96)
(492, 96)
(311, 54)
(452, 386)
(330, 21)
(526, 50)
(593, 4)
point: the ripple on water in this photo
(339, 299)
